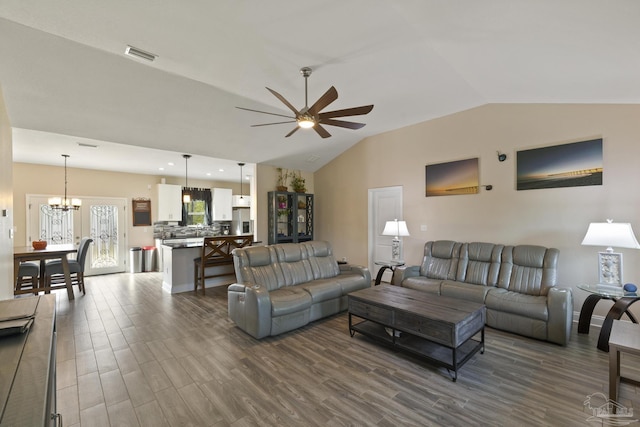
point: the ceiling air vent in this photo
(139, 53)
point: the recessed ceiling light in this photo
(161, 169)
(139, 53)
(220, 170)
(170, 163)
(208, 173)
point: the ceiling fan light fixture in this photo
(306, 121)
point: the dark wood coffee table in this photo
(434, 327)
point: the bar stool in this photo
(27, 274)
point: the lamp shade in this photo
(395, 228)
(609, 234)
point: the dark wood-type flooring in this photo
(129, 354)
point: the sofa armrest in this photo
(249, 307)
(355, 269)
(560, 305)
(404, 272)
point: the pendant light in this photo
(186, 198)
(64, 204)
(241, 192)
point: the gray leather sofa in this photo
(517, 284)
(285, 286)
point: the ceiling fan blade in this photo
(355, 111)
(284, 101)
(321, 131)
(342, 123)
(292, 132)
(329, 96)
(275, 123)
(264, 112)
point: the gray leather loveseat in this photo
(285, 286)
(517, 284)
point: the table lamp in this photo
(395, 228)
(610, 234)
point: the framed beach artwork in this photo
(452, 178)
(568, 165)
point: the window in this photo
(196, 212)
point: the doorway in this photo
(102, 219)
(385, 204)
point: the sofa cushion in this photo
(257, 265)
(352, 282)
(530, 306)
(528, 269)
(289, 300)
(323, 264)
(440, 259)
(421, 283)
(466, 291)
(294, 263)
(479, 263)
(323, 290)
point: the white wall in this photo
(552, 217)
(6, 204)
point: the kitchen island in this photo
(178, 267)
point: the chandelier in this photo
(64, 204)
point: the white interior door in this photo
(102, 219)
(385, 204)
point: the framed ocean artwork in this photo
(452, 178)
(575, 164)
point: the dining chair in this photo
(53, 269)
(27, 275)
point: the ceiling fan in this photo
(312, 117)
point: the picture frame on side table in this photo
(610, 264)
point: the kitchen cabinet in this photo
(169, 202)
(241, 201)
(221, 204)
(290, 217)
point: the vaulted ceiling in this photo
(66, 79)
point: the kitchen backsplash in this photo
(163, 231)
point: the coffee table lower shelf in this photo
(438, 354)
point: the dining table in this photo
(28, 253)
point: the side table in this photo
(622, 301)
(391, 265)
(625, 338)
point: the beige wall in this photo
(553, 217)
(49, 180)
(266, 180)
(6, 204)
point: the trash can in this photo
(149, 258)
(135, 260)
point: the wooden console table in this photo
(28, 368)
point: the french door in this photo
(102, 219)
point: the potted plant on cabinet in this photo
(298, 183)
(283, 175)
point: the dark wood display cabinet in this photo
(290, 217)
